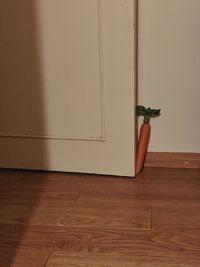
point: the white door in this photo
(67, 85)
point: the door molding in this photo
(100, 138)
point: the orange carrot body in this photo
(143, 142)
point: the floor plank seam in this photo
(75, 201)
(151, 218)
(48, 258)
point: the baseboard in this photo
(173, 160)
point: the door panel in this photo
(69, 46)
(68, 96)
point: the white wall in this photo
(169, 72)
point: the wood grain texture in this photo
(137, 219)
(62, 182)
(45, 198)
(8, 179)
(158, 248)
(153, 188)
(175, 218)
(91, 220)
(37, 237)
(153, 245)
(173, 160)
(19, 192)
(63, 259)
(23, 257)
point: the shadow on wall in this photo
(22, 107)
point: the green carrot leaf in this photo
(155, 112)
(141, 110)
(147, 113)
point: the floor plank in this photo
(175, 218)
(137, 219)
(154, 188)
(152, 245)
(72, 238)
(139, 243)
(37, 237)
(8, 179)
(63, 259)
(23, 257)
(25, 193)
(164, 180)
(40, 198)
(119, 248)
(157, 199)
(76, 182)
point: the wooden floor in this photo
(65, 220)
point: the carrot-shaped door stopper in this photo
(144, 136)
